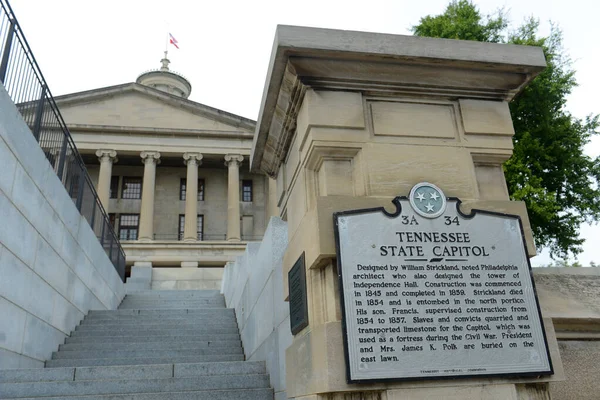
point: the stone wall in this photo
(53, 270)
(253, 286)
(571, 297)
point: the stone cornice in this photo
(380, 65)
(187, 105)
(129, 130)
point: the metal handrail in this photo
(23, 80)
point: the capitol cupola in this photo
(166, 80)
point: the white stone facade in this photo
(141, 131)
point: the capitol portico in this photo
(172, 174)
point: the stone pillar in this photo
(190, 230)
(233, 196)
(106, 158)
(272, 209)
(347, 126)
(150, 160)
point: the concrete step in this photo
(153, 306)
(161, 294)
(79, 362)
(175, 319)
(123, 386)
(172, 304)
(196, 300)
(208, 323)
(143, 339)
(157, 312)
(143, 299)
(57, 355)
(157, 371)
(160, 331)
(155, 345)
(245, 394)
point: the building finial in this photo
(165, 62)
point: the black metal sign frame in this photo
(298, 298)
(397, 202)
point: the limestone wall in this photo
(52, 267)
(253, 285)
(571, 297)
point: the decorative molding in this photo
(107, 155)
(407, 66)
(192, 159)
(152, 157)
(283, 123)
(495, 158)
(233, 159)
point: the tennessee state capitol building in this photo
(173, 174)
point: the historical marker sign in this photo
(297, 297)
(429, 292)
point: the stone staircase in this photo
(176, 345)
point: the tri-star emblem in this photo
(427, 200)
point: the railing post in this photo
(6, 50)
(39, 114)
(102, 234)
(121, 264)
(110, 248)
(81, 187)
(93, 219)
(62, 159)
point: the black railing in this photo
(25, 84)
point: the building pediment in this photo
(137, 106)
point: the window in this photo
(112, 218)
(181, 228)
(246, 190)
(200, 190)
(132, 188)
(183, 189)
(114, 187)
(128, 226)
(199, 226)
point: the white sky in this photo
(225, 45)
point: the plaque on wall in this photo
(430, 292)
(297, 297)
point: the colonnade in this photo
(192, 160)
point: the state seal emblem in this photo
(427, 200)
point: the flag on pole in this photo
(173, 41)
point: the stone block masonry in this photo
(253, 286)
(53, 270)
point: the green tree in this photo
(548, 169)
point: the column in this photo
(233, 196)
(272, 209)
(190, 230)
(150, 160)
(106, 158)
